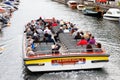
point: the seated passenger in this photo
(83, 41)
(98, 47)
(55, 48)
(54, 24)
(36, 38)
(57, 34)
(92, 40)
(29, 51)
(89, 48)
(50, 39)
(47, 30)
(77, 36)
(66, 30)
(87, 35)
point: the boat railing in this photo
(43, 52)
(81, 51)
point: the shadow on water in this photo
(89, 74)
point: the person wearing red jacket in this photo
(83, 41)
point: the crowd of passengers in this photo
(39, 30)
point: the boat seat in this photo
(43, 47)
(55, 29)
(66, 39)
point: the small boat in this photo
(112, 14)
(72, 4)
(92, 11)
(80, 7)
(44, 56)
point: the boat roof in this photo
(72, 1)
(114, 9)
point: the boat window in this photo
(73, 3)
(109, 12)
(118, 12)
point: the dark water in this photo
(11, 61)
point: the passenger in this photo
(49, 39)
(75, 32)
(89, 48)
(66, 30)
(78, 36)
(29, 51)
(40, 19)
(32, 27)
(72, 31)
(87, 35)
(55, 48)
(30, 40)
(39, 31)
(98, 47)
(68, 25)
(48, 31)
(29, 33)
(82, 33)
(35, 38)
(54, 24)
(92, 40)
(57, 34)
(62, 22)
(32, 22)
(83, 41)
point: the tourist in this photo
(57, 33)
(47, 30)
(29, 51)
(92, 40)
(89, 48)
(77, 36)
(98, 47)
(83, 41)
(55, 48)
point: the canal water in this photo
(11, 60)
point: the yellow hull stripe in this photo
(50, 59)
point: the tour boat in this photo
(72, 4)
(112, 14)
(92, 11)
(69, 56)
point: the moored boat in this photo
(80, 7)
(72, 4)
(60, 53)
(93, 11)
(112, 14)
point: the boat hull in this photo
(92, 13)
(62, 63)
(112, 14)
(111, 18)
(72, 4)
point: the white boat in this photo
(112, 14)
(72, 4)
(68, 57)
(80, 7)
